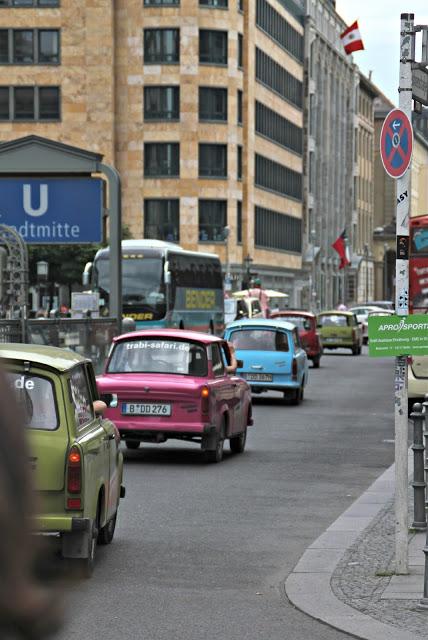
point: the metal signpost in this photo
(396, 151)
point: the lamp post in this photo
(247, 262)
(227, 278)
(385, 271)
(366, 254)
(312, 276)
(42, 270)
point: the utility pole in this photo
(366, 254)
(407, 56)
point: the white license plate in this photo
(259, 377)
(145, 409)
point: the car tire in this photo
(216, 455)
(106, 533)
(297, 396)
(316, 361)
(237, 443)
(132, 444)
(355, 351)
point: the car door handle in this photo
(110, 436)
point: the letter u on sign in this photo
(43, 200)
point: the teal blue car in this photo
(270, 356)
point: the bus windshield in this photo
(142, 284)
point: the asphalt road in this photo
(202, 551)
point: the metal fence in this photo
(89, 337)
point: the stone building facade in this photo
(331, 87)
(198, 103)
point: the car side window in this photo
(81, 397)
(296, 339)
(217, 361)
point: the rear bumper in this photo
(60, 524)
(157, 432)
(258, 387)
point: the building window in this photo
(240, 5)
(240, 50)
(29, 46)
(279, 29)
(161, 46)
(274, 230)
(29, 3)
(212, 220)
(239, 162)
(275, 177)
(278, 79)
(239, 222)
(161, 3)
(222, 4)
(212, 104)
(239, 106)
(161, 160)
(213, 160)
(212, 47)
(161, 103)
(162, 219)
(30, 103)
(278, 129)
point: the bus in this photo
(418, 267)
(163, 285)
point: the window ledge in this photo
(212, 121)
(223, 65)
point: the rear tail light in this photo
(74, 472)
(205, 400)
(294, 369)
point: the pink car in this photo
(169, 383)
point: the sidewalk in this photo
(345, 577)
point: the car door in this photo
(222, 385)
(112, 440)
(91, 437)
(237, 385)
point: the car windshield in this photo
(36, 397)
(156, 355)
(333, 321)
(299, 321)
(259, 340)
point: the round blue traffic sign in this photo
(396, 143)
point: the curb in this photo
(308, 585)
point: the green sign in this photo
(398, 336)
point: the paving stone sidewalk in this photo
(345, 578)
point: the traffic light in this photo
(3, 262)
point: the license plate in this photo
(145, 409)
(259, 377)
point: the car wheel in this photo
(132, 444)
(106, 533)
(85, 566)
(354, 351)
(316, 362)
(297, 396)
(237, 443)
(216, 455)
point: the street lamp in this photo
(42, 271)
(227, 278)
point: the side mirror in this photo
(99, 407)
(240, 364)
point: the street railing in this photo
(90, 337)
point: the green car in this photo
(75, 453)
(340, 329)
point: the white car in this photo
(362, 312)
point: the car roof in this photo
(274, 323)
(291, 312)
(371, 307)
(336, 312)
(181, 334)
(51, 357)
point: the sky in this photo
(379, 23)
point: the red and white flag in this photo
(351, 38)
(340, 245)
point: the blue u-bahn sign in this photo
(53, 210)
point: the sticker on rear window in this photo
(171, 346)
